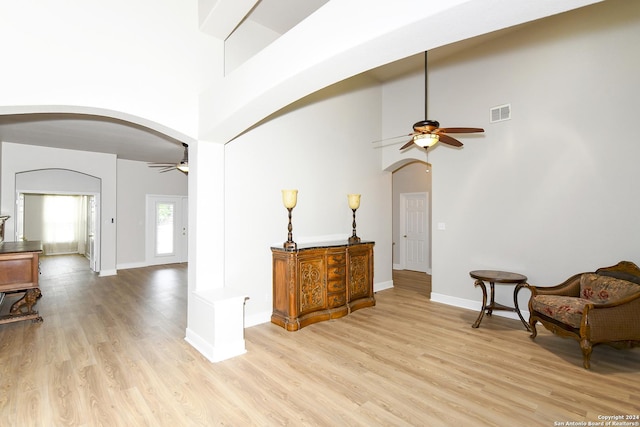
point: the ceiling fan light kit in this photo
(426, 140)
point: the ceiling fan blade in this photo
(449, 140)
(459, 130)
(407, 145)
(390, 138)
(163, 167)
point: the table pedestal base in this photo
(501, 277)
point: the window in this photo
(165, 219)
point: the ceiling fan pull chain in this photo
(428, 164)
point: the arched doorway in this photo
(41, 195)
(411, 223)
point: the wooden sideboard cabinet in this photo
(19, 271)
(321, 281)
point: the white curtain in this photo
(63, 224)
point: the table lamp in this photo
(354, 204)
(289, 199)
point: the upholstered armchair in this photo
(592, 308)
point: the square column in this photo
(215, 315)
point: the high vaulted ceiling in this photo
(134, 142)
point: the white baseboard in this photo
(381, 286)
(212, 353)
(104, 273)
(132, 265)
(474, 305)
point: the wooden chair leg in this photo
(587, 348)
(532, 328)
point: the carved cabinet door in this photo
(360, 272)
(313, 290)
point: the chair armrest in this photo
(569, 288)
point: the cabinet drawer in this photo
(336, 272)
(336, 300)
(336, 259)
(336, 285)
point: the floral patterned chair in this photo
(592, 308)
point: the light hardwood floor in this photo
(413, 281)
(111, 352)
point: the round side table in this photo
(500, 277)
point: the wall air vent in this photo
(500, 113)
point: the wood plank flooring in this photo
(413, 281)
(111, 352)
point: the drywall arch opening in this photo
(99, 114)
(411, 215)
(36, 189)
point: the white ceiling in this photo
(90, 133)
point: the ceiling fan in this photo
(426, 133)
(183, 166)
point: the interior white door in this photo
(414, 225)
(166, 229)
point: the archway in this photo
(33, 189)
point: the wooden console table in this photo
(19, 270)
(321, 281)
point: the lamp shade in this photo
(289, 198)
(354, 201)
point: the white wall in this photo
(244, 42)
(135, 181)
(402, 106)
(322, 147)
(553, 191)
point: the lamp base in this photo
(290, 246)
(354, 239)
